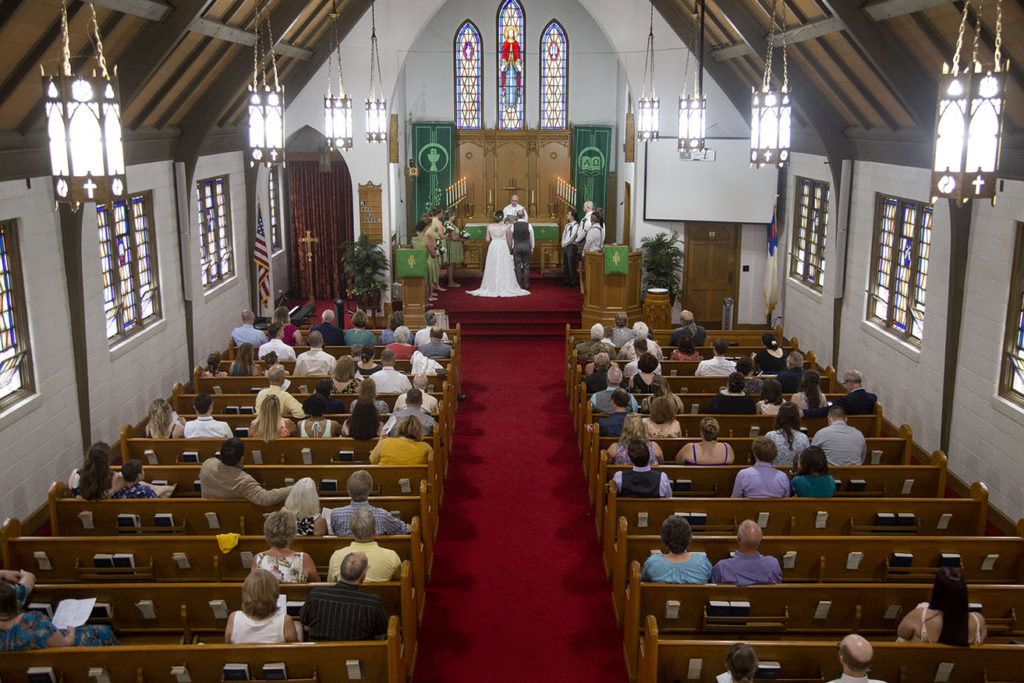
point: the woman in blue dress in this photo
(21, 630)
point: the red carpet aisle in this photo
(518, 591)
(542, 314)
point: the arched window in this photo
(468, 77)
(554, 77)
(511, 85)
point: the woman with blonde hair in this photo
(286, 565)
(408, 448)
(292, 335)
(163, 423)
(245, 362)
(303, 501)
(259, 620)
(662, 424)
(269, 423)
(633, 430)
(709, 451)
(659, 388)
(344, 377)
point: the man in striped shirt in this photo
(342, 611)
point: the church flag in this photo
(433, 151)
(261, 259)
(771, 269)
(411, 263)
(591, 162)
(616, 259)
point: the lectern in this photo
(611, 288)
(411, 270)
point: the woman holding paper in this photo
(21, 630)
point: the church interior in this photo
(844, 176)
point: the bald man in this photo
(747, 566)
(246, 333)
(855, 654)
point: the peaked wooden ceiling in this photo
(863, 74)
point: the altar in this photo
(547, 249)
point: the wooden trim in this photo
(71, 248)
(960, 238)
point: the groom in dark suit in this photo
(522, 249)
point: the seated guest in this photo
(413, 407)
(633, 366)
(269, 424)
(810, 397)
(611, 425)
(259, 621)
(401, 346)
(771, 397)
(324, 386)
(855, 656)
(287, 566)
(435, 348)
(367, 393)
(643, 380)
(405, 448)
(585, 350)
(245, 362)
(812, 479)
(342, 612)
(95, 481)
(946, 618)
(20, 581)
(642, 481)
(662, 424)
(331, 333)
(762, 480)
(365, 366)
(134, 487)
(359, 485)
(291, 335)
(746, 566)
(633, 430)
(344, 376)
(276, 344)
(396, 320)
(315, 425)
(677, 565)
(843, 445)
(640, 331)
(212, 368)
(421, 382)
(602, 400)
(597, 380)
(661, 388)
(709, 451)
(315, 361)
(21, 630)
(741, 660)
(163, 422)
(685, 350)
(385, 565)
(289, 404)
(204, 426)
(270, 360)
(423, 334)
(718, 365)
(856, 401)
(794, 372)
(732, 400)
(222, 477)
(751, 385)
(358, 334)
(770, 359)
(247, 334)
(788, 438)
(620, 333)
(389, 380)
(364, 423)
(688, 328)
(303, 503)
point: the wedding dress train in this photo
(499, 275)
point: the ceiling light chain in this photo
(771, 111)
(337, 110)
(376, 104)
(649, 106)
(266, 102)
(693, 109)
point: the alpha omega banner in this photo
(591, 155)
(616, 260)
(433, 147)
(410, 263)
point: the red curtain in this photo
(320, 203)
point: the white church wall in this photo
(753, 260)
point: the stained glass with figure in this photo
(899, 280)
(554, 56)
(15, 367)
(468, 78)
(216, 253)
(511, 58)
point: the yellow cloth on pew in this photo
(227, 542)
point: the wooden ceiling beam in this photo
(147, 9)
(30, 62)
(220, 31)
(8, 9)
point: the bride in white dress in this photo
(499, 275)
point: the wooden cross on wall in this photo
(309, 241)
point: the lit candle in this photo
(533, 196)
(490, 196)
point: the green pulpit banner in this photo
(545, 232)
(477, 232)
(411, 263)
(591, 156)
(616, 260)
(433, 146)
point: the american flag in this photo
(260, 256)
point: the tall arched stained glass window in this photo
(468, 77)
(554, 77)
(511, 86)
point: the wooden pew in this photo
(245, 384)
(381, 661)
(699, 661)
(798, 609)
(235, 421)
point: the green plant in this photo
(366, 265)
(663, 263)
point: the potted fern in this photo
(366, 267)
(663, 263)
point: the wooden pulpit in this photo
(411, 271)
(608, 293)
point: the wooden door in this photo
(711, 269)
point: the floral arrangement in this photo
(464, 234)
(442, 249)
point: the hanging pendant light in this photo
(83, 122)
(376, 105)
(969, 121)
(648, 109)
(693, 110)
(266, 102)
(771, 113)
(337, 110)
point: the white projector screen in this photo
(726, 190)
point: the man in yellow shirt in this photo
(384, 563)
(289, 404)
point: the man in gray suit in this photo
(522, 248)
(436, 348)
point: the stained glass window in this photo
(15, 365)
(128, 265)
(810, 227)
(554, 77)
(216, 253)
(903, 235)
(1011, 384)
(468, 77)
(275, 209)
(511, 58)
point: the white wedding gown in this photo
(499, 274)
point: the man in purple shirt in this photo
(747, 566)
(762, 480)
